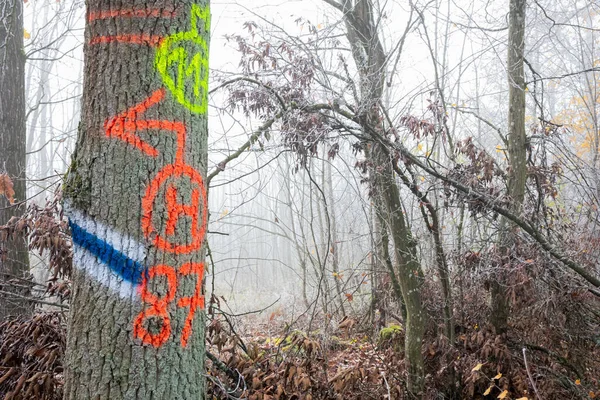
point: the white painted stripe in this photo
(123, 243)
(87, 262)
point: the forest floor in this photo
(262, 357)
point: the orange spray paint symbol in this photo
(159, 305)
(172, 177)
(124, 127)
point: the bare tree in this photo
(517, 156)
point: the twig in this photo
(219, 364)
(386, 385)
(250, 312)
(33, 300)
(560, 358)
(226, 391)
(530, 377)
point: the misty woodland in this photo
(299, 199)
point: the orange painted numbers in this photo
(194, 302)
(158, 307)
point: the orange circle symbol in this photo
(175, 209)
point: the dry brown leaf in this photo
(477, 367)
(6, 188)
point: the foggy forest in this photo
(299, 199)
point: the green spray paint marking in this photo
(182, 61)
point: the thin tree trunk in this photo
(410, 275)
(137, 204)
(517, 156)
(14, 258)
(334, 249)
(370, 59)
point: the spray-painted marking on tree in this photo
(113, 259)
(159, 305)
(166, 178)
(181, 58)
(182, 62)
(149, 40)
(130, 13)
(188, 53)
(140, 39)
(124, 127)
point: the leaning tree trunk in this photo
(370, 59)
(137, 205)
(410, 274)
(517, 157)
(14, 259)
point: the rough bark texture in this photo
(14, 259)
(517, 154)
(137, 203)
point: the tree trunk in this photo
(334, 247)
(410, 275)
(14, 258)
(517, 155)
(137, 205)
(370, 59)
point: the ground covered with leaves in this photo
(268, 360)
(551, 349)
(348, 364)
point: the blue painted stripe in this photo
(128, 269)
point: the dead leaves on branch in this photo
(31, 357)
(47, 231)
(7, 188)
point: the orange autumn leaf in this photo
(477, 367)
(503, 394)
(488, 390)
(578, 382)
(349, 296)
(6, 188)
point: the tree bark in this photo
(370, 59)
(14, 257)
(410, 274)
(137, 205)
(517, 157)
